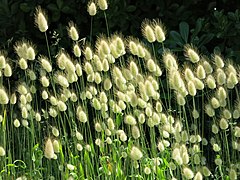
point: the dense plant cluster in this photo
(118, 107)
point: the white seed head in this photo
(88, 53)
(201, 73)
(103, 4)
(61, 106)
(2, 151)
(191, 88)
(98, 127)
(223, 124)
(92, 9)
(159, 32)
(218, 61)
(55, 131)
(211, 83)
(3, 96)
(23, 63)
(72, 32)
(40, 20)
(135, 153)
(188, 173)
(215, 129)
(129, 119)
(49, 150)
(148, 32)
(31, 53)
(8, 70)
(192, 55)
(16, 123)
(135, 132)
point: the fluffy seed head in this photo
(129, 119)
(233, 174)
(16, 123)
(72, 31)
(23, 63)
(159, 31)
(209, 110)
(188, 173)
(45, 64)
(88, 53)
(92, 9)
(221, 77)
(148, 31)
(2, 61)
(211, 83)
(169, 60)
(62, 81)
(49, 150)
(3, 96)
(191, 88)
(135, 132)
(40, 19)
(201, 73)
(133, 47)
(135, 153)
(198, 176)
(103, 4)
(61, 106)
(180, 99)
(218, 61)
(151, 65)
(31, 53)
(223, 124)
(8, 70)
(191, 54)
(2, 151)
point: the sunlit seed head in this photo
(227, 114)
(135, 153)
(2, 151)
(180, 99)
(25, 123)
(61, 106)
(191, 88)
(53, 112)
(198, 84)
(49, 150)
(56, 146)
(169, 60)
(147, 170)
(72, 31)
(215, 102)
(130, 120)
(70, 67)
(149, 88)
(55, 131)
(200, 72)
(103, 46)
(218, 161)
(237, 131)
(98, 127)
(82, 117)
(4, 99)
(141, 51)
(79, 147)
(160, 146)
(41, 19)
(232, 78)
(221, 77)
(62, 80)
(31, 53)
(188, 173)
(185, 158)
(7, 70)
(189, 76)
(215, 129)
(198, 176)
(88, 53)
(44, 94)
(207, 67)
(45, 81)
(216, 147)
(148, 31)
(62, 57)
(2, 61)
(151, 65)
(79, 136)
(211, 83)
(133, 68)
(159, 31)
(92, 9)
(223, 124)
(206, 172)
(191, 54)
(103, 4)
(16, 123)
(141, 118)
(23, 63)
(133, 47)
(218, 61)
(135, 132)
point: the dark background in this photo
(213, 25)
